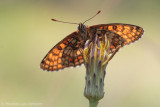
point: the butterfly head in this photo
(82, 28)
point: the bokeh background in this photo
(27, 34)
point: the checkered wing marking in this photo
(124, 33)
(66, 53)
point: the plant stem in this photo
(93, 103)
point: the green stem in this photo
(93, 103)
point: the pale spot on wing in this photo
(51, 63)
(62, 45)
(119, 28)
(110, 27)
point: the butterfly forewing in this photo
(66, 53)
(129, 33)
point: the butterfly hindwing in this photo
(66, 53)
(72, 53)
(72, 56)
(115, 39)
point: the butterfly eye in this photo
(79, 28)
(84, 27)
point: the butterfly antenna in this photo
(63, 21)
(92, 16)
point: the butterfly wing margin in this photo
(54, 60)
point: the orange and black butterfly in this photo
(69, 51)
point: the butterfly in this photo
(69, 51)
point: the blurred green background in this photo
(27, 34)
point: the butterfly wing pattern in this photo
(123, 34)
(66, 53)
(69, 51)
